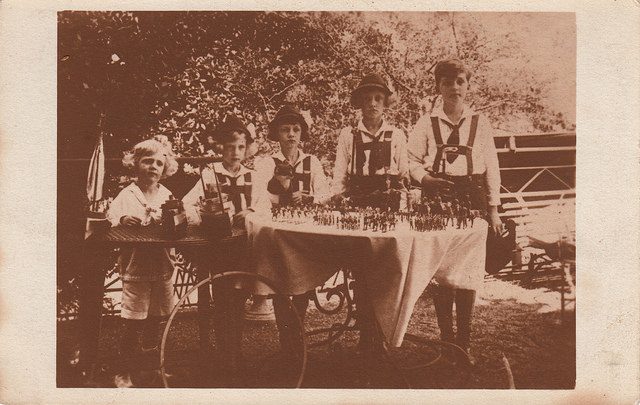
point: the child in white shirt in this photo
(146, 273)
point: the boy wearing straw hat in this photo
(371, 164)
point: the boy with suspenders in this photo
(372, 153)
(371, 169)
(291, 177)
(235, 181)
(452, 154)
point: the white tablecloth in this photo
(397, 265)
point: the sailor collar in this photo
(384, 127)
(301, 155)
(219, 168)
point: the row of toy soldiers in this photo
(454, 210)
(349, 221)
(424, 223)
(325, 217)
(379, 221)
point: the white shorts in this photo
(143, 298)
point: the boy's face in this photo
(289, 134)
(151, 167)
(233, 152)
(372, 104)
(454, 88)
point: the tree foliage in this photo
(178, 73)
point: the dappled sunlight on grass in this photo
(497, 290)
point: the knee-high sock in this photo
(288, 326)
(235, 319)
(443, 302)
(301, 303)
(129, 343)
(282, 311)
(153, 327)
(464, 311)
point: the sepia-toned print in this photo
(316, 200)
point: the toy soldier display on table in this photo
(371, 159)
(452, 153)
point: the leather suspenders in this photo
(358, 156)
(303, 179)
(247, 188)
(466, 150)
(230, 186)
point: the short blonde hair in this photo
(158, 144)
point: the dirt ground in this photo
(520, 325)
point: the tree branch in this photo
(486, 107)
(288, 87)
(386, 68)
(455, 37)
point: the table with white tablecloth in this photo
(397, 265)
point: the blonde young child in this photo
(146, 273)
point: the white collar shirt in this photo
(149, 263)
(191, 199)
(422, 150)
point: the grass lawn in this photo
(523, 325)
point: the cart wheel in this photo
(430, 363)
(263, 365)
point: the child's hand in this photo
(495, 223)
(129, 220)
